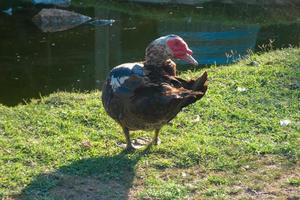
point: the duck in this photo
(147, 95)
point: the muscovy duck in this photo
(147, 95)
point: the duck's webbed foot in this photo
(132, 145)
(129, 148)
(126, 147)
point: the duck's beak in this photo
(189, 58)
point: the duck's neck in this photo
(156, 55)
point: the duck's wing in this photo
(160, 101)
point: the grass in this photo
(230, 145)
(294, 181)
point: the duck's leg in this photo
(129, 146)
(156, 139)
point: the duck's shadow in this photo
(104, 177)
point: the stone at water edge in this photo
(54, 20)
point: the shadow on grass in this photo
(87, 179)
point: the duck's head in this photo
(168, 47)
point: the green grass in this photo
(230, 145)
(294, 181)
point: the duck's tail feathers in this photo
(201, 83)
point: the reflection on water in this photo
(33, 63)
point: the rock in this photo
(63, 3)
(53, 20)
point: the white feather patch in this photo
(117, 82)
(118, 78)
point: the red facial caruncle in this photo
(180, 50)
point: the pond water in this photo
(33, 63)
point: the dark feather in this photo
(149, 102)
(144, 96)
